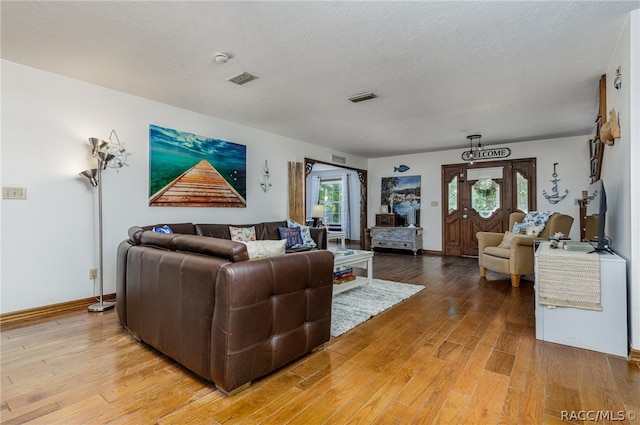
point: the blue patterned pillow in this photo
(164, 229)
(305, 233)
(533, 223)
(537, 218)
(520, 228)
(291, 235)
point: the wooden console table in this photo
(409, 238)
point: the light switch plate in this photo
(434, 203)
(14, 192)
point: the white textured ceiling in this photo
(511, 71)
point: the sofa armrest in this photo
(267, 313)
(319, 235)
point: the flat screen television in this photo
(596, 215)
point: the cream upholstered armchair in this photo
(512, 253)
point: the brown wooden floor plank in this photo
(511, 409)
(452, 410)
(485, 405)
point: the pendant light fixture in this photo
(473, 149)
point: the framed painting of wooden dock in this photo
(188, 170)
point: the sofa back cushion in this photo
(264, 231)
(214, 247)
(270, 230)
(176, 228)
(213, 230)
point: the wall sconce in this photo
(112, 154)
(617, 82)
(265, 184)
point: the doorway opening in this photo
(343, 193)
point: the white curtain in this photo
(346, 206)
(315, 193)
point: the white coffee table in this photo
(362, 259)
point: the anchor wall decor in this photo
(555, 197)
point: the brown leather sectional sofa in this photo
(196, 297)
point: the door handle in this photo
(465, 216)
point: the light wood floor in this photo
(461, 351)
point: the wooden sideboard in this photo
(409, 238)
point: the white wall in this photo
(571, 154)
(620, 170)
(49, 240)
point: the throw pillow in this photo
(291, 235)
(520, 228)
(265, 249)
(164, 229)
(242, 234)
(537, 218)
(305, 233)
(506, 240)
(534, 230)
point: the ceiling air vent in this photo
(362, 96)
(338, 159)
(240, 79)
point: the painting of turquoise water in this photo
(186, 169)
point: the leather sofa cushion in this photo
(214, 230)
(181, 228)
(497, 252)
(224, 248)
(159, 240)
(264, 231)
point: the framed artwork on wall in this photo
(188, 170)
(402, 195)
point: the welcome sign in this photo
(495, 153)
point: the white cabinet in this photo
(604, 331)
(397, 238)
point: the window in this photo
(523, 192)
(453, 195)
(485, 197)
(330, 196)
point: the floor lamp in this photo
(101, 151)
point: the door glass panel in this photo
(485, 197)
(522, 192)
(453, 194)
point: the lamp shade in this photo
(317, 211)
(91, 176)
(97, 145)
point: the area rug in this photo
(354, 307)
